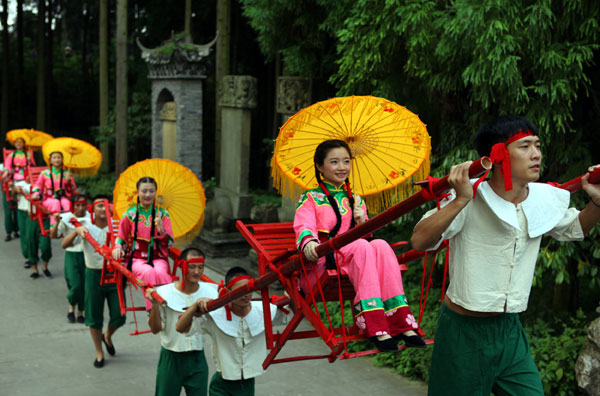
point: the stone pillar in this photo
(293, 94)
(177, 70)
(231, 201)
(237, 100)
(168, 116)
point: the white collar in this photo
(543, 208)
(254, 320)
(178, 301)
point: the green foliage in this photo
(555, 352)
(98, 184)
(139, 127)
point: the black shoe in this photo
(413, 341)
(7, 238)
(109, 348)
(389, 345)
(27, 264)
(34, 275)
(80, 319)
(16, 234)
(71, 317)
(47, 274)
(99, 363)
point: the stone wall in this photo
(187, 95)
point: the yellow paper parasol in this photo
(179, 192)
(33, 139)
(390, 146)
(81, 158)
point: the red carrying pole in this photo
(115, 265)
(575, 184)
(439, 187)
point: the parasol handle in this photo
(574, 185)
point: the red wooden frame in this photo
(275, 243)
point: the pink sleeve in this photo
(71, 187)
(305, 221)
(166, 222)
(124, 231)
(8, 162)
(31, 159)
(364, 207)
(40, 182)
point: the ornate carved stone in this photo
(238, 91)
(177, 58)
(587, 368)
(169, 112)
(293, 94)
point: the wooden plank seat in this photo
(275, 243)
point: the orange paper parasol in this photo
(33, 139)
(390, 146)
(179, 192)
(81, 158)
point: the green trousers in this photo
(223, 387)
(10, 215)
(476, 356)
(95, 295)
(36, 241)
(23, 221)
(75, 278)
(181, 369)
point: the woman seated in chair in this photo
(381, 310)
(55, 186)
(146, 231)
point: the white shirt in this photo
(494, 245)
(239, 346)
(23, 203)
(177, 300)
(94, 260)
(65, 228)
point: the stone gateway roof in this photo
(178, 58)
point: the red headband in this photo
(183, 264)
(500, 156)
(91, 209)
(224, 289)
(81, 201)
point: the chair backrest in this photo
(5, 153)
(269, 240)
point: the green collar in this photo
(333, 188)
(56, 171)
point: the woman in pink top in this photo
(55, 186)
(147, 229)
(16, 166)
(381, 309)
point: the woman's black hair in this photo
(500, 130)
(56, 152)
(186, 252)
(233, 272)
(151, 247)
(320, 154)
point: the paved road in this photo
(42, 354)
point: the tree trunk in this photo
(103, 78)
(49, 63)
(121, 89)
(188, 21)
(20, 65)
(5, 69)
(41, 67)
(221, 69)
